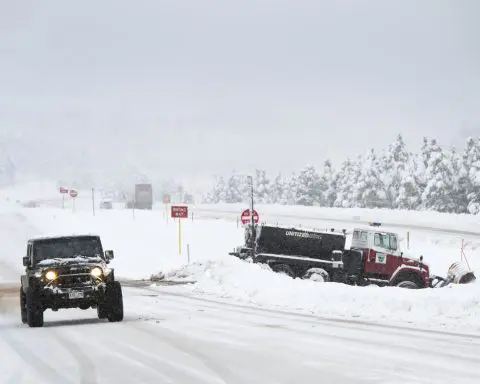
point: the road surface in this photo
(172, 338)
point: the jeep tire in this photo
(34, 309)
(102, 311)
(114, 302)
(23, 306)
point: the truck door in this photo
(383, 256)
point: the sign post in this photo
(73, 195)
(166, 201)
(63, 191)
(179, 212)
(253, 212)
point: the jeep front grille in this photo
(73, 280)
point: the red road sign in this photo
(246, 218)
(63, 190)
(180, 211)
(73, 193)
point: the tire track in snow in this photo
(190, 347)
(151, 362)
(88, 372)
(35, 361)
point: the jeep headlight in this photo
(51, 275)
(96, 272)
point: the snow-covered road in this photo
(179, 335)
(171, 338)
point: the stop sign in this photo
(73, 193)
(246, 218)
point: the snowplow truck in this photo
(374, 256)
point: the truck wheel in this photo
(33, 309)
(408, 284)
(114, 302)
(284, 269)
(23, 306)
(317, 274)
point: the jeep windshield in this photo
(67, 248)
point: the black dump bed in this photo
(298, 242)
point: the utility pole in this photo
(250, 178)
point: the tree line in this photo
(438, 179)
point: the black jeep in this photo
(68, 272)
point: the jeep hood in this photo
(79, 260)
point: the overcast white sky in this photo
(200, 87)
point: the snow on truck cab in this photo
(372, 257)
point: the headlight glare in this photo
(51, 275)
(96, 272)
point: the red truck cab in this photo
(383, 261)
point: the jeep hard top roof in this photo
(60, 237)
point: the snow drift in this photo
(454, 307)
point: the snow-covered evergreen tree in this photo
(439, 190)
(470, 175)
(394, 162)
(277, 190)
(308, 191)
(369, 187)
(347, 184)
(234, 191)
(409, 193)
(328, 185)
(459, 181)
(218, 194)
(261, 187)
(290, 190)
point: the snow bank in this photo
(454, 307)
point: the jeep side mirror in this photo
(109, 255)
(26, 261)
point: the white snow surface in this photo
(145, 243)
(453, 307)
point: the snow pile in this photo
(454, 307)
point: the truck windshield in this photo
(385, 240)
(66, 248)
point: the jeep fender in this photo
(410, 273)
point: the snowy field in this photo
(146, 243)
